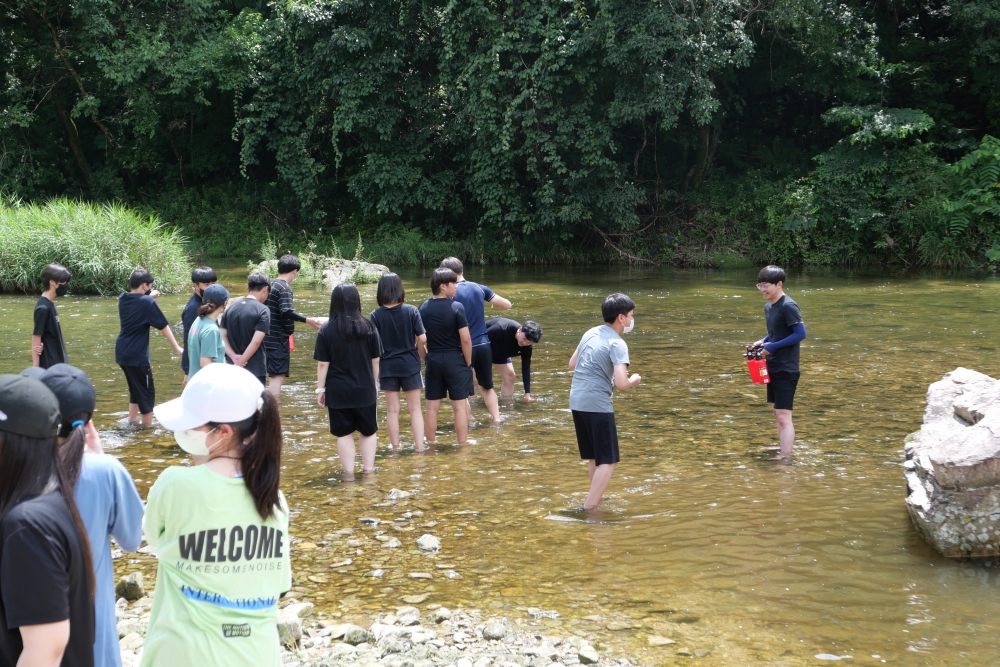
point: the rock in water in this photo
(408, 616)
(396, 494)
(588, 654)
(441, 614)
(130, 587)
(952, 466)
(428, 542)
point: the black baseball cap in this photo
(33, 372)
(74, 390)
(28, 407)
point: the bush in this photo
(100, 245)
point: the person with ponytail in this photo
(220, 529)
(46, 580)
(204, 343)
(105, 495)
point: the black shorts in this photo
(345, 421)
(597, 436)
(781, 389)
(140, 387)
(408, 383)
(482, 363)
(278, 356)
(447, 373)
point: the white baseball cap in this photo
(218, 393)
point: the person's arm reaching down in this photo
(258, 338)
(169, 335)
(466, 338)
(421, 341)
(798, 334)
(622, 379)
(322, 367)
(230, 352)
(499, 302)
(44, 644)
(526, 372)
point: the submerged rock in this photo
(428, 542)
(952, 466)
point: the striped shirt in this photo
(283, 315)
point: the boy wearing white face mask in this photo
(601, 362)
(220, 529)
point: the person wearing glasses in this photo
(785, 332)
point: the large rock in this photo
(334, 271)
(130, 587)
(953, 466)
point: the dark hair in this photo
(140, 277)
(67, 427)
(288, 263)
(771, 274)
(453, 263)
(257, 281)
(614, 305)
(203, 274)
(209, 306)
(532, 331)
(390, 290)
(442, 277)
(27, 467)
(56, 273)
(345, 311)
(261, 457)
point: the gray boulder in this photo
(952, 466)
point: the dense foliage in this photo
(813, 131)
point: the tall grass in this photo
(100, 245)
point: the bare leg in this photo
(274, 385)
(591, 468)
(368, 445)
(345, 448)
(431, 420)
(507, 378)
(492, 403)
(786, 432)
(147, 419)
(598, 483)
(133, 413)
(416, 419)
(462, 411)
(392, 417)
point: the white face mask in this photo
(628, 327)
(194, 442)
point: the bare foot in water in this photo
(783, 459)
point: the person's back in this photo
(205, 340)
(137, 313)
(600, 349)
(473, 298)
(398, 327)
(350, 379)
(442, 318)
(109, 505)
(241, 320)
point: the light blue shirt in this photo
(599, 351)
(109, 505)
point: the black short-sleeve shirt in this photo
(781, 316)
(350, 382)
(137, 313)
(397, 327)
(442, 319)
(241, 320)
(502, 333)
(188, 316)
(47, 326)
(43, 579)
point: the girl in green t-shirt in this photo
(204, 343)
(220, 529)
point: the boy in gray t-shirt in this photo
(601, 363)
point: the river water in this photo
(701, 540)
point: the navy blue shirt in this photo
(781, 316)
(473, 296)
(137, 313)
(188, 316)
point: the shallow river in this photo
(701, 539)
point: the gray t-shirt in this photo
(599, 351)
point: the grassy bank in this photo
(100, 245)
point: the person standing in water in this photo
(137, 311)
(508, 339)
(281, 302)
(402, 333)
(204, 342)
(785, 332)
(244, 325)
(47, 345)
(601, 364)
(348, 349)
(473, 296)
(220, 529)
(201, 278)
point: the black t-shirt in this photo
(241, 320)
(47, 326)
(188, 316)
(43, 579)
(442, 319)
(781, 316)
(137, 313)
(397, 327)
(350, 382)
(502, 333)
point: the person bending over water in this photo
(601, 362)
(785, 333)
(220, 530)
(348, 350)
(509, 339)
(283, 318)
(448, 355)
(402, 333)
(204, 343)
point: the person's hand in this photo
(314, 322)
(528, 398)
(184, 382)
(155, 294)
(635, 379)
(178, 349)
(238, 360)
(37, 349)
(757, 344)
(765, 352)
(321, 399)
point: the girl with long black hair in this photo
(46, 581)
(348, 348)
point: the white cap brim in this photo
(173, 416)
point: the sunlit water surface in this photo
(701, 539)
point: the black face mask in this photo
(200, 292)
(148, 292)
(62, 289)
